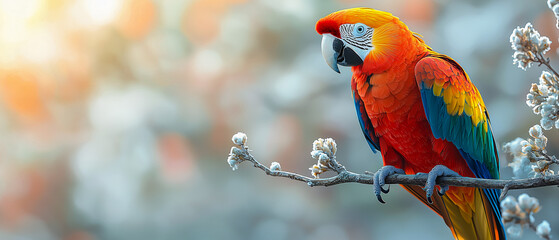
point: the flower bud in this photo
(515, 230)
(239, 138)
(316, 170)
(331, 144)
(275, 166)
(535, 131)
(318, 144)
(315, 154)
(509, 203)
(233, 162)
(541, 142)
(544, 230)
(527, 203)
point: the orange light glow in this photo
(137, 18)
(20, 93)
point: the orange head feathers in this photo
(368, 16)
(367, 39)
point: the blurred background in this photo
(116, 116)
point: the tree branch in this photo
(345, 176)
(367, 178)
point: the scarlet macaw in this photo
(420, 110)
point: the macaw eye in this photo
(359, 29)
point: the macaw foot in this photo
(437, 171)
(380, 176)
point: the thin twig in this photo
(504, 192)
(545, 61)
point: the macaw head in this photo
(357, 36)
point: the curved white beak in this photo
(328, 52)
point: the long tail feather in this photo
(471, 217)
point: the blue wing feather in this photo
(459, 130)
(365, 124)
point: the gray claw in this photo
(437, 171)
(379, 198)
(385, 191)
(379, 180)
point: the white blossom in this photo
(328, 146)
(507, 216)
(323, 151)
(529, 156)
(514, 147)
(237, 155)
(275, 166)
(554, 6)
(316, 154)
(519, 213)
(535, 131)
(515, 230)
(318, 144)
(520, 163)
(233, 162)
(528, 204)
(317, 169)
(521, 167)
(527, 44)
(509, 204)
(239, 138)
(543, 99)
(552, 3)
(331, 144)
(544, 230)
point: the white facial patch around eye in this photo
(359, 36)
